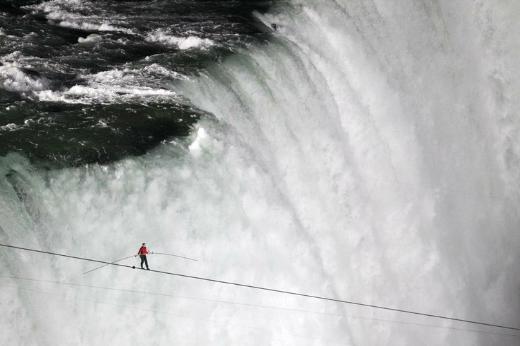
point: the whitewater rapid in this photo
(369, 152)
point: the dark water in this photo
(94, 81)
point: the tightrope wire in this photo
(343, 301)
(104, 265)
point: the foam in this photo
(118, 85)
(183, 43)
(105, 94)
(85, 25)
(12, 78)
(9, 127)
(161, 70)
(92, 38)
(63, 14)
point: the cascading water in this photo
(368, 152)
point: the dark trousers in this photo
(144, 260)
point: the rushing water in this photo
(368, 151)
(93, 81)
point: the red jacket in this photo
(143, 251)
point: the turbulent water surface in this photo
(353, 149)
(93, 81)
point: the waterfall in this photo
(368, 152)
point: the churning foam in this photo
(62, 12)
(13, 78)
(183, 43)
(118, 85)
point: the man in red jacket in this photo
(143, 251)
